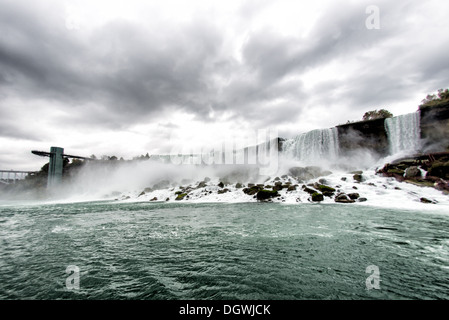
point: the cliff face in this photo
(435, 128)
(365, 135)
(372, 136)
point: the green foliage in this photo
(44, 168)
(326, 191)
(377, 114)
(181, 196)
(324, 188)
(77, 163)
(432, 100)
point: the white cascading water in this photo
(314, 146)
(404, 133)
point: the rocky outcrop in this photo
(326, 190)
(439, 169)
(317, 197)
(354, 196)
(412, 172)
(202, 184)
(358, 177)
(409, 170)
(263, 195)
(252, 190)
(308, 173)
(181, 196)
(308, 190)
(343, 198)
(425, 200)
(164, 184)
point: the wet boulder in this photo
(266, 194)
(343, 198)
(163, 184)
(425, 200)
(202, 184)
(353, 196)
(439, 169)
(358, 177)
(252, 190)
(317, 197)
(326, 190)
(412, 172)
(300, 173)
(181, 196)
(308, 190)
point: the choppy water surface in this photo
(221, 251)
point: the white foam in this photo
(380, 192)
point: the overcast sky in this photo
(129, 77)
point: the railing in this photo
(17, 175)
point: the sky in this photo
(129, 77)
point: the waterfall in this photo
(314, 146)
(403, 133)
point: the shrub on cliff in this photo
(432, 100)
(375, 114)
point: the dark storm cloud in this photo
(135, 72)
(132, 72)
(124, 73)
(17, 131)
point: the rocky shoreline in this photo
(310, 184)
(429, 170)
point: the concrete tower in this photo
(55, 166)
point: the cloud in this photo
(150, 68)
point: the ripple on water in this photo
(222, 251)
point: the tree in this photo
(77, 163)
(45, 167)
(374, 114)
(442, 97)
